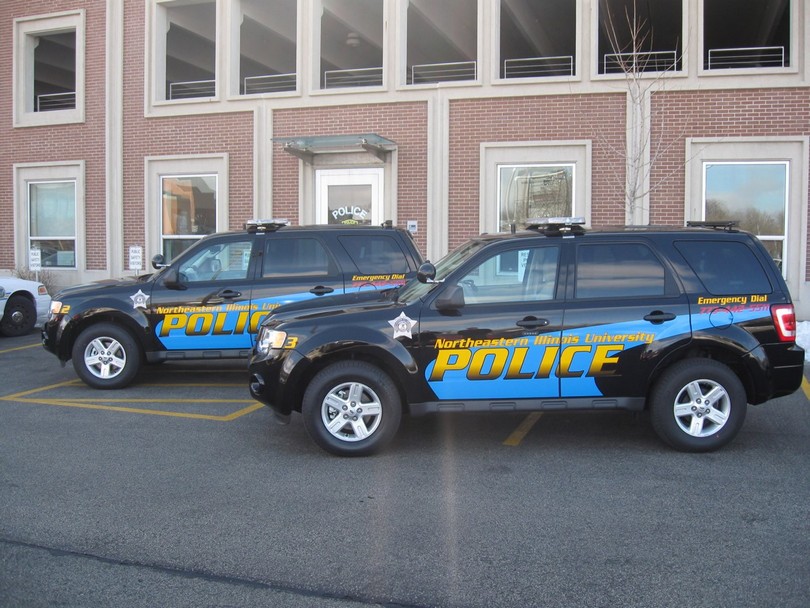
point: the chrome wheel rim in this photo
(351, 411)
(702, 408)
(105, 358)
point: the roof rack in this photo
(727, 225)
(556, 226)
(271, 225)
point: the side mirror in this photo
(171, 279)
(158, 261)
(451, 299)
(426, 273)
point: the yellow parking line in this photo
(16, 396)
(523, 429)
(135, 410)
(806, 388)
(8, 350)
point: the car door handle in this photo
(530, 322)
(217, 298)
(320, 290)
(658, 316)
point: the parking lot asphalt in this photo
(182, 491)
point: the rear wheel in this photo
(106, 356)
(19, 317)
(698, 405)
(351, 408)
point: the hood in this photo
(349, 303)
(12, 284)
(102, 286)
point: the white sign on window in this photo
(35, 259)
(135, 257)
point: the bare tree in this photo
(644, 73)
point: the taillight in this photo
(784, 319)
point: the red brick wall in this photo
(751, 113)
(677, 116)
(61, 142)
(600, 118)
(184, 135)
(404, 123)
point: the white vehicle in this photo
(23, 305)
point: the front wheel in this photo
(351, 408)
(19, 317)
(698, 405)
(106, 356)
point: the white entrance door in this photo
(349, 196)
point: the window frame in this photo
(27, 173)
(795, 42)
(495, 154)
(155, 87)
(26, 29)
(157, 167)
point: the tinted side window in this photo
(523, 275)
(375, 254)
(618, 270)
(725, 267)
(218, 262)
(297, 257)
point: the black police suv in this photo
(208, 303)
(691, 323)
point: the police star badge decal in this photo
(139, 300)
(402, 326)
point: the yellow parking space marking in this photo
(103, 403)
(806, 388)
(523, 429)
(10, 350)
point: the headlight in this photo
(56, 307)
(270, 339)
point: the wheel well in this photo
(69, 337)
(730, 359)
(23, 294)
(373, 356)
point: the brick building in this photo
(149, 123)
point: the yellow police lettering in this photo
(256, 319)
(199, 324)
(516, 364)
(448, 360)
(567, 359)
(219, 325)
(494, 358)
(547, 363)
(603, 356)
(172, 321)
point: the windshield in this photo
(414, 289)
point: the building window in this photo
(351, 43)
(538, 39)
(741, 34)
(534, 191)
(442, 41)
(267, 45)
(190, 48)
(52, 222)
(49, 69)
(753, 193)
(636, 37)
(188, 211)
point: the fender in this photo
(97, 310)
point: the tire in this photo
(106, 356)
(698, 405)
(351, 408)
(19, 317)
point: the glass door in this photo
(349, 196)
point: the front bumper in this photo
(272, 380)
